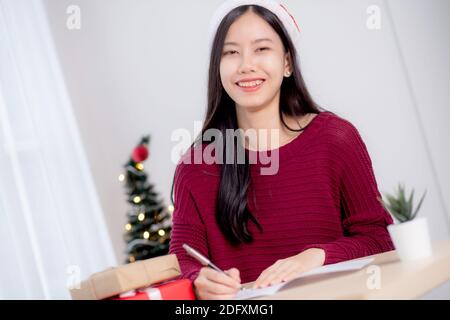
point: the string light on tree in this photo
(137, 199)
(149, 225)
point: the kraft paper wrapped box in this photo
(139, 274)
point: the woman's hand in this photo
(213, 285)
(289, 268)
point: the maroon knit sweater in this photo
(323, 196)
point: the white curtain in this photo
(52, 231)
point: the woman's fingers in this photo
(264, 275)
(275, 275)
(291, 275)
(223, 279)
(234, 273)
(220, 289)
(214, 296)
(275, 278)
(211, 284)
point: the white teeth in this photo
(250, 84)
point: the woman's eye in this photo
(233, 51)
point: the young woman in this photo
(320, 207)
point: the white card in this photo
(351, 265)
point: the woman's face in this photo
(244, 57)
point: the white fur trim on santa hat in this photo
(274, 6)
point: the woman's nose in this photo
(246, 63)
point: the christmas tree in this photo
(149, 220)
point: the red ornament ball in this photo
(140, 153)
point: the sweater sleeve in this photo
(187, 225)
(364, 219)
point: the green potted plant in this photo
(410, 234)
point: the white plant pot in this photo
(411, 239)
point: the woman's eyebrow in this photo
(254, 41)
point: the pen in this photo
(204, 261)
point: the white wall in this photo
(140, 67)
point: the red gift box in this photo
(171, 290)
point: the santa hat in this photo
(274, 6)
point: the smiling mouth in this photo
(255, 85)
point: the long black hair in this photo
(232, 212)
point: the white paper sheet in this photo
(330, 268)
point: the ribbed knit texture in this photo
(323, 196)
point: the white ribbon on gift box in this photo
(127, 294)
(152, 293)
